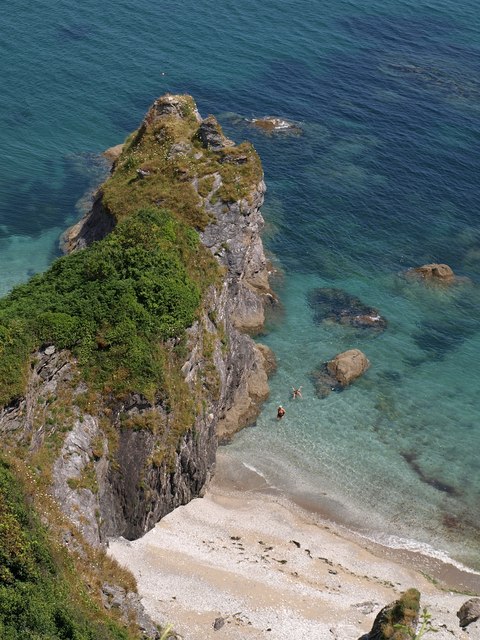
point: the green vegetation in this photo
(41, 597)
(113, 305)
(401, 617)
(425, 627)
(121, 307)
(149, 173)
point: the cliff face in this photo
(121, 463)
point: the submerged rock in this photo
(335, 305)
(342, 370)
(272, 124)
(440, 273)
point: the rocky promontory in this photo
(135, 354)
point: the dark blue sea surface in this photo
(384, 177)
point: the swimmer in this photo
(296, 393)
(280, 412)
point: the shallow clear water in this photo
(384, 177)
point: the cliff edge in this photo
(124, 364)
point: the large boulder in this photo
(440, 273)
(338, 373)
(404, 612)
(348, 366)
(338, 306)
(469, 612)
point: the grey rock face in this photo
(123, 486)
(211, 135)
(94, 226)
(129, 603)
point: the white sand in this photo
(269, 571)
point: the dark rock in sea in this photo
(272, 124)
(335, 305)
(403, 611)
(469, 612)
(338, 373)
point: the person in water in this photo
(280, 412)
(296, 393)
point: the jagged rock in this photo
(170, 105)
(403, 611)
(440, 273)
(130, 605)
(338, 373)
(211, 135)
(335, 305)
(95, 225)
(469, 612)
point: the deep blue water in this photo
(384, 177)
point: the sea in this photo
(383, 177)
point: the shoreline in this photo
(252, 564)
(447, 573)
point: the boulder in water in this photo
(439, 273)
(348, 366)
(335, 305)
(272, 124)
(338, 373)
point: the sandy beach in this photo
(243, 563)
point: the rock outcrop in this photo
(469, 612)
(340, 371)
(403, 612)
(125, 462)
(274, 124)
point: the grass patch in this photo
(41, 596)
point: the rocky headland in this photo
(124, 431)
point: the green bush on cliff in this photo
(39, 598)
(113, 305)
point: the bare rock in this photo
(130, 605)
(440, 273)
(211, 135)
(113, 153)
(338, 373)
(273, 124)
(469, 612)
(348, 366)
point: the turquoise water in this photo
(384, 177)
